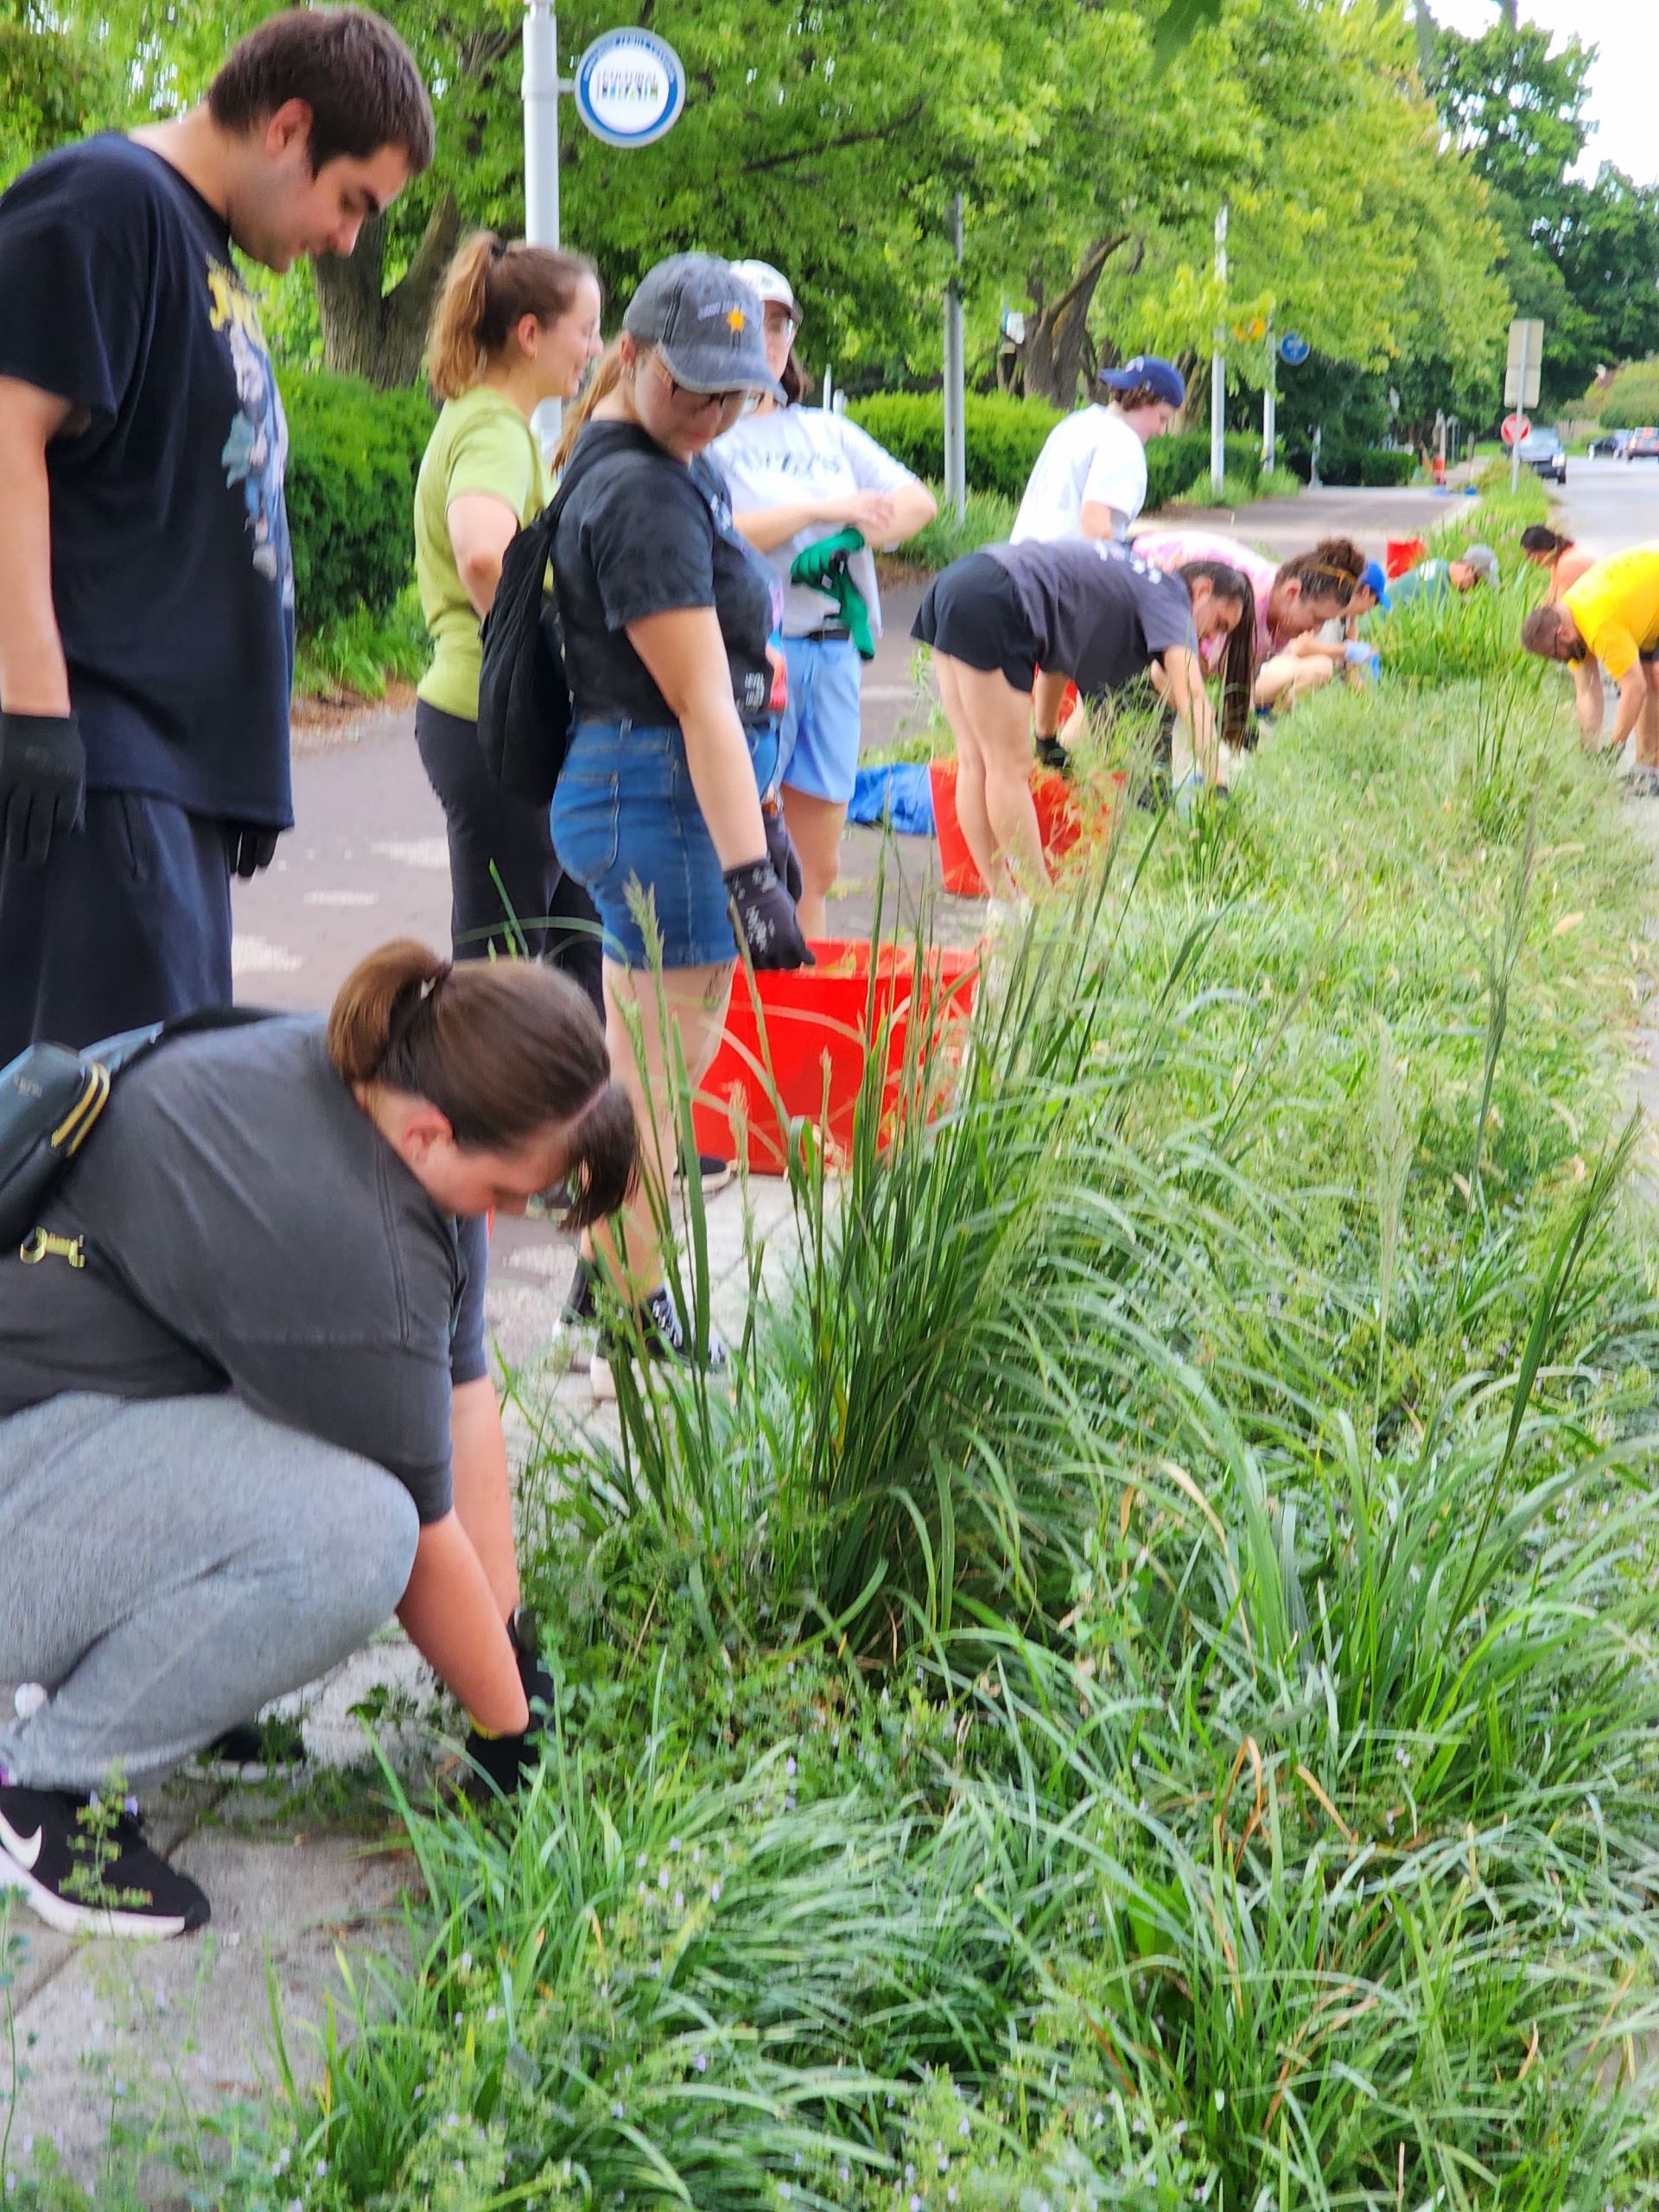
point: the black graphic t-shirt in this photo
(1098, 612)
(171, 572)
(643, 534)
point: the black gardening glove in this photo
(763, 913)
(505, 1761)
(43, 782)
(249, 847)
(780, 851)
(1050, 754)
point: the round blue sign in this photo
(630, 87)
(1293, 349)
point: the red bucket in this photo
(1401, 554)
(1061, 823)
(818, 1025)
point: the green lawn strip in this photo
(1142, 1694)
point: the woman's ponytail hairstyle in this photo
(1238, 662)
(502, 1048)
(1330, 571)
(602, 380)
(490, 287)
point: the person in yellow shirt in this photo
(1611, 613)
(514, 324)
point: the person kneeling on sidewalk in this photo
(245, 1408)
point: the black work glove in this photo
(43, 782)
(505, 1761)
(780, 851)
(249, 847)
(1050, 754)
(763, 913)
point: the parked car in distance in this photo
(1542, 450)
(1609, 446)
(1644, 445)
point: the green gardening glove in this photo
(823, 567)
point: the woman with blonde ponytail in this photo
(514, 324)
(245, 1406)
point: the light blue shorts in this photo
(818, 741)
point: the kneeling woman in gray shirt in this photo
(245, 1408)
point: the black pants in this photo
(127, 922)
(490, 831)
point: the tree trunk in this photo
(376, 334)
(1057, 349)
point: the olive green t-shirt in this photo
(482, 443)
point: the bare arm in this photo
(1587, 696)
(34, 679)
(913, 507)
(871, 512)
(1096, 520)
(481, 527)
(1633, 695)
(483, 1490)
(1047, 695)
(685, 656)
(1191, 701)
(450, 1615)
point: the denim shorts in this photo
(625, 814)
(819, 742)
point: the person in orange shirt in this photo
(1612, 614)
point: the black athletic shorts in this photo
(970, 612)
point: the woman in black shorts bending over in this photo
(1081, 611)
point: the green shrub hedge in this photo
(352, 454)
(1372, 466)
(1005, 435)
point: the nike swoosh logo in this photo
(24, 1852)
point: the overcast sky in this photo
(1623, 83)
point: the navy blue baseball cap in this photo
(1158, 375)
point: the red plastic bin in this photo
(818, 1025)
(1061, 822)
(1401, 554)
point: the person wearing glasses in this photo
(806, 482)
(668, 616)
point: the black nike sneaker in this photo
(86, 1869)
(660, 1335)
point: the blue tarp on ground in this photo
(901, 793)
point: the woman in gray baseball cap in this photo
(667, 617)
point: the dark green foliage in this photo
(353, 454)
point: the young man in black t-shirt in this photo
(146, 584)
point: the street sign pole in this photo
(1218, 369)
(542, 90)
(1514, 450)
(1271, 403)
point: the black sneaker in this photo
(255, 1750)
(663, 1335)
(85, 1873)
(713, 1172)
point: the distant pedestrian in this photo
(1096, 615)
(146, 587)
(515, 325)
(1564, 564)
(800, 480)
(668, 614)
(1612, 614)
(1090, 477)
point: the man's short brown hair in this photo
(1544, 628)
(351, 69)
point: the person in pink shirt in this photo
(1291, 600)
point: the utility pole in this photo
(1270, 405)
(1218, 368)
(956, 443)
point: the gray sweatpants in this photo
(169, 1565)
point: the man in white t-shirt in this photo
(1090, 477)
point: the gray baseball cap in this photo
(1482, 560)
(706, 322)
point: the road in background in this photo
(1608, 504)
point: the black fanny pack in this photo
(50, 1101)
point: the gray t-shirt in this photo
(1098, 612)
(233, 1186)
